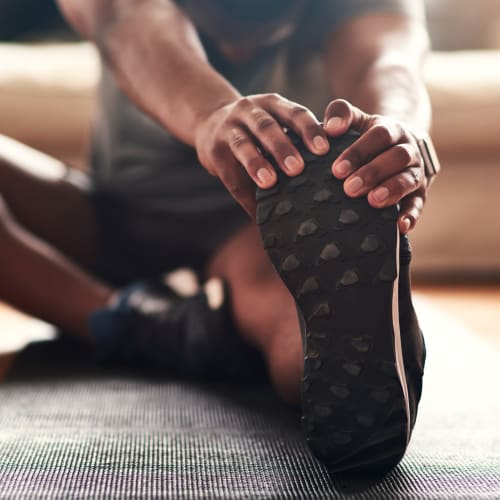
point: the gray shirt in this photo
(137, 160)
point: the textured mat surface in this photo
(67, 431)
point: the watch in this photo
(429, 156)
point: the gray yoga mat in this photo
(70, 430)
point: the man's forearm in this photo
(376, 65)
(157, 57)
(394, 91)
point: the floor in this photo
(476, 307)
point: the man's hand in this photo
(230, 142)
(384, 164)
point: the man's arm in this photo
(156, 54)
(374, 62)
(159, 61)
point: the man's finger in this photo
(379, 138)
(247, 154)
(239, 185)
(271, 137)
(381, 168)
(340, 116)
(411, 208)
(303, 123)
(394, 189)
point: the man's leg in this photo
(48, 236)
(48, 242)
(264, 310)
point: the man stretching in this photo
(201, 103)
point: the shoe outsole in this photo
(338, 256)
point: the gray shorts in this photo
(179, 219)
(157, 206)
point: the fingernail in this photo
(264, 176)
(406, 224)
(334, 123)
(343, 168)
(320, 143)
(354, 185)
(292, 164)
(380, 194)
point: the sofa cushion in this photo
(465, 94)
(464, 24)
(47, 93)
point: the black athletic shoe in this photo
(340, 259)
(152, 326)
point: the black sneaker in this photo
(340, 259)
(152, 326)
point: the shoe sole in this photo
(339, 258)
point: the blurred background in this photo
(48, 79)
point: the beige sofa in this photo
(459, 233)
(47, 95)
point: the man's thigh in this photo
(49, 199)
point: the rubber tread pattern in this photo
(337, 256)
